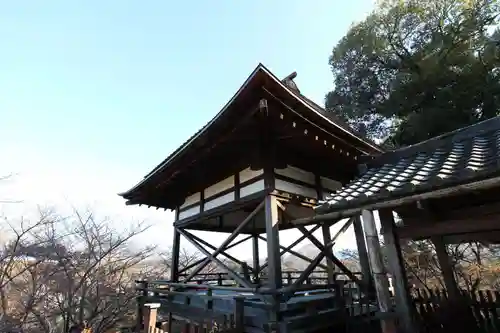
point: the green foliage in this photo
(416, 69)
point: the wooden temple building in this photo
(273, 160)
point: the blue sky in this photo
(93, 94)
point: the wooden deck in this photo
(313, 310)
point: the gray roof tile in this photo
(462, 156)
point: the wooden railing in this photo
(288, 277)
(437, 313)
(199, 307)
(183, 317)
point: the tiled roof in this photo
(464, 156)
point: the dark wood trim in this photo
(222, 193)
(319, 187)
(319, 130)
(465, 225)
(237, 186)
(202, 201)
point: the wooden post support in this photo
(174, 269)
(150, 313)
(256, 260)
(273, 255)
(330, 267)
(362, 253)
(446, 267)
(377, 268)
(404, 306)
(239, 314)
(272, 237)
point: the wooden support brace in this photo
(256, 260)
(381, 281)
(223, 252)
(199, 261)
(330, 267)
(322, 248)
(228, 241)
(404, 307)
(446, 267)
(362, 252)
(289, 248)
(297, 254)
(211, 257)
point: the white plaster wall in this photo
(189, 212)
(219, 201)
(192, 199)
(252, 188)
(219, 187)
(248, 174)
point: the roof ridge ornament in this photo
(290, 83)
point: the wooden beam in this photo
(199, 261)
(487, 237)
(377, 267)
(256, 261)
(224, 244)
(426, 229)
(272, 235)
(331, 257)
(330, 267)
(211, 257)
(223, 252)
(446, 267)
(174, 268)
(404, 306)
(390, 202)
(289, 250)
(362, 253)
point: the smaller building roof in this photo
(465, 156)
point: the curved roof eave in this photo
(260, 68)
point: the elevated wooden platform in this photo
(316, 308)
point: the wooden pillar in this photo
(150, 314)
(330, 266)
(362, 253)
(273, 242)
(256, 260)
(446, 267)
(176, 249)
(379, 274)
(174, 269)
(273, 258)
(404, 306)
